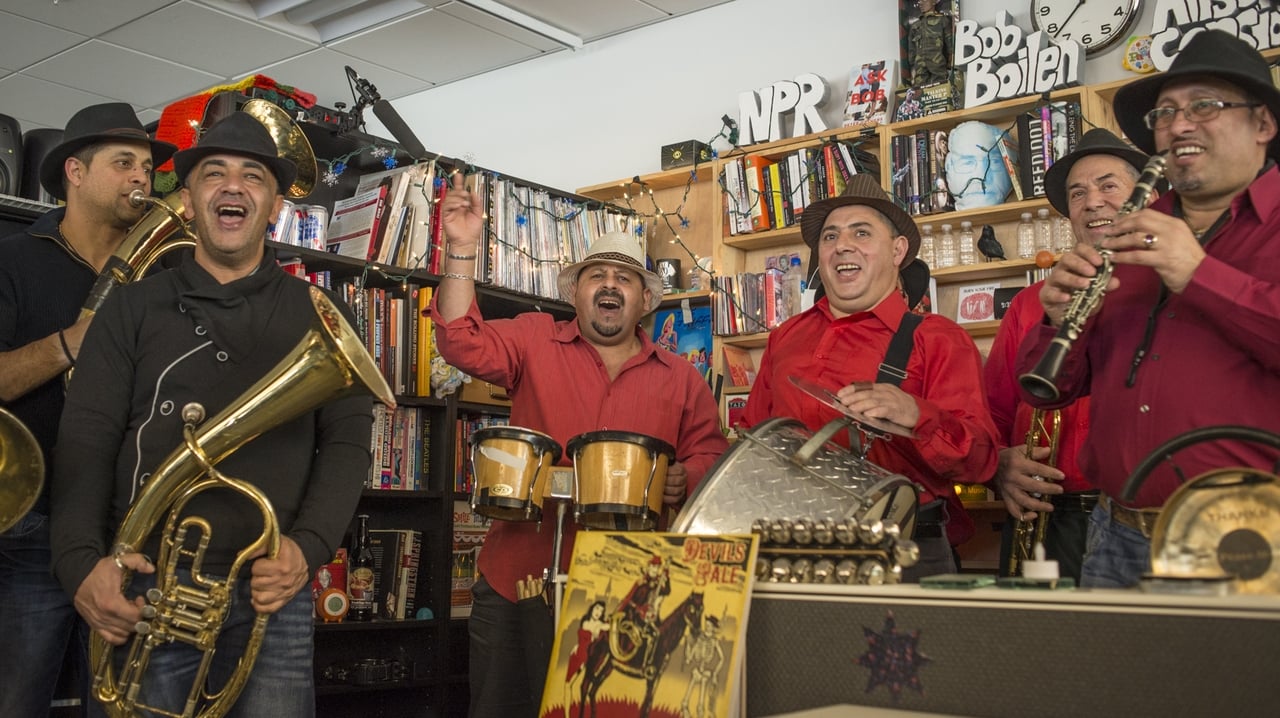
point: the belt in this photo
(1082, 501)
(1140, 520)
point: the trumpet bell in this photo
(291, 144)
(21, 470)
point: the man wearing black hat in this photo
(861, 240)
(46, 274)
(205, 332)
(1089, 186)
(1188, 334)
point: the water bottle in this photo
(947, 248)
(968, 250)
(1044, 231)
(1064, 237)
(926, 252)
(1026, 237)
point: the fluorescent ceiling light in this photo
(528, 22)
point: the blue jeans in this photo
(281, 683)
(1115, 556)
(38, 621)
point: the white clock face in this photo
(1095, 24)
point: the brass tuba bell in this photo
(21, 470)
(329, 362)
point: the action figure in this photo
(929, 45)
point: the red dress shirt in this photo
(955, 440)
(1214, 357)
(559, 386)
(1012, 415)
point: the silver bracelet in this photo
(463, 257)
(455, 275)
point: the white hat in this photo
(617, 248)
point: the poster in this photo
(687, 333)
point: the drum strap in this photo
(893, 369)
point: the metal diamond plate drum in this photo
(760, 476)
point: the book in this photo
(754, 168)
(469, 529)
(687, 333)
(670, 606)
(734, 407)
(870, 98)
(1009, 153)
(1031, 142)
(354, 225)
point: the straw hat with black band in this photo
(618, 248)
(108, 122)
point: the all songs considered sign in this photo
(1257, 22)
(1001, 61)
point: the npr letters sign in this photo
(760, 112)
(1000, 62)
(1176, 21)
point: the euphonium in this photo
(21, 470)
(1045, 430)
(1040, 382)
(328, 363)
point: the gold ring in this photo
(1150, 241)
(119, 564)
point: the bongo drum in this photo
(619, 478)
(512, 467)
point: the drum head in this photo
(542, 443)
(655, 446)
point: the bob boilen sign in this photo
(1002, 62)
(1257, 22)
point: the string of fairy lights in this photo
(638, 203)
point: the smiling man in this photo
(596, 372)
(861, 240)
(205, 332)
(1188, 334)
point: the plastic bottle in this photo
(360, 580)
(1026, 237)
(968, 248)
(926, 252)
(1064, 237)
(947, 256)
(1044, 230)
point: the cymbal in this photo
(870, 425)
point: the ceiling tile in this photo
(25, 42)
(223, 45)
(321, 73)
(681, 7)
(133, 77)
(37, 103)
(87, 17)
(590, 20)
(502, 27)
(435, 46)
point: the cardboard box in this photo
(483, 392)
(683, 154)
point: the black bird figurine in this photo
(989, 245)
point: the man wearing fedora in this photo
(597, 371)
(46, 274)
(860, 340)
(1089, 186)
(205, 332)
(1188, 334)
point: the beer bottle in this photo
(360, 577)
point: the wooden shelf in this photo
(766, 239)
(986, 270)
(665, 179)
(699, 296)
(749, 341)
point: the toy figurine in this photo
(929, 45)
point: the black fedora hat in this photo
(108, 122)
(239, 133)
(863, 189)
(1097, 141)
(1212, 53)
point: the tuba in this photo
(329, 362)
(21, 470)
(1045, 429)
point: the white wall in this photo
(602, 113)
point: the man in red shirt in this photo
(1089, 186)
(861, 240)
(596, 372)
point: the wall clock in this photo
(1096, 24)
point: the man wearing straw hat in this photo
(597, 371)
(862, 243)
(1188, 334)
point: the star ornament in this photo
(893, 659)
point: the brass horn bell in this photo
(21, 470)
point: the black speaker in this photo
(10, 154)
(36, 145)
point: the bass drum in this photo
(761, 477)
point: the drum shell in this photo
(619, 479)
(512, 468)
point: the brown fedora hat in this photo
(1211, 53)
(240, 134)
(865, 190)
(1097, 141)
(108, 122)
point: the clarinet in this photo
(1040, 382)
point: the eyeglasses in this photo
(1197, 111)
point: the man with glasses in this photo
(1189, 329)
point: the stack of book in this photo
(396, 555)
(763, 193)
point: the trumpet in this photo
(1041, 381)
(1045, 430)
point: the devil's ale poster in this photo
(653, 624)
